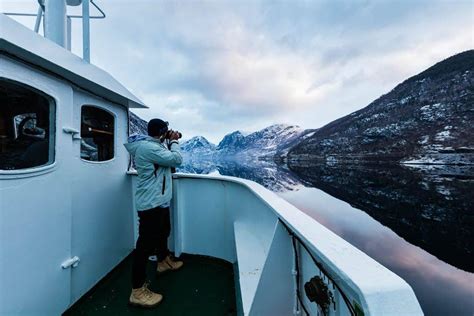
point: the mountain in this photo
(425, 119)
(199, 146)
(232, 142)
(285, 146)
(137, 125)
(262, 144)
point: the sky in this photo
(213, 67)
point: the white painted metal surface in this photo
(232, 219)
(35, 215)
(55, 21)
(19, 41)
(63, 211)
(86, 52)
(39, 17)
(73, 2)
(251, 255)
(102, 221)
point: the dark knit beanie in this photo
(157, 127)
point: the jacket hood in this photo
(134, 142)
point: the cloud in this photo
(217, 66)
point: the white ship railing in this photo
(242, 222)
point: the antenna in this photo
(57, 23)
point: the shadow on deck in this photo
(203, 286)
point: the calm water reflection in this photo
(415, 221)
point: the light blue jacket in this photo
(154, 186)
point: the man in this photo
(153, 159)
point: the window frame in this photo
(53, 119)
(114, 116)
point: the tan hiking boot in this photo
(143, 297)
(168, 264)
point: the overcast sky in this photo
(212, 67)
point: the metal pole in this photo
(38, 19)
(86, 53)
(55, 21)
(69, 34)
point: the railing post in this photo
(69, 34)
(38, 19)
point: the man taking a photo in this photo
(154, 156)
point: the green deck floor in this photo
(203, 286)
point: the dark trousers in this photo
(153, 232)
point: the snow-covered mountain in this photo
(198, 145)
(232, 142)
(272, 138)
(426, 119)
(137, 125)
(264, 143)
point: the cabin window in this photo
(27, 119)
(97, 133)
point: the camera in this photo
(169, 132)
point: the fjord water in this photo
(417, 221)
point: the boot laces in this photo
(146, 291)
(170, 262)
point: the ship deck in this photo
(203, 286)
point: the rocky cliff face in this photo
(426, 119)
(137, 125)
(198, 146)
(263, 144)
(232, 143)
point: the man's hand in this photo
(174, 136)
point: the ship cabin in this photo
(68, 224)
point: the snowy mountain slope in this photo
(198, 146)
(263, 143)
(427, 118)
(232, 142)
(137, 125)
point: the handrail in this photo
(332, 251)
(102, 16)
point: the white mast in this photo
(86, 52)
(55, 21)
